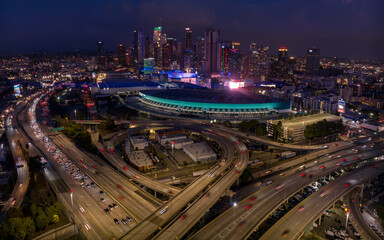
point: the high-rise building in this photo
(258, 61)
(312, 64)
(199, 54)
(156, 34)
(224, 55)
(122, 54)
(188, 39)
(234, 59)
(100, 53)
(100, 49)
(212, 51)
(148, 51)
(167, 56)
(138, 48)
(283, 54)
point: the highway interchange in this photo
(172, 219)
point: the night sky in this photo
(344, 28)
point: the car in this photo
(268, 172)
(338, 156)
(88, 186)
(119, 186)
(236, 171)
(357, 158)
(347, 185)
(20, 185)
(124, 221)
(102, 199)
(300, 209)
(248, 206)
(171, 192)
(106, 210)
(322, 194)
(101, 193)
(129, 219)
(252, 199)
(114, 205)
(285, 233)
(279, 187)
(282, 174)
(322, 167)
(92, 184)
(116, 221)
(126, 168)
(240, 225)
(303, 175)
(182, 217)
(110, 207)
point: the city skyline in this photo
(348, 29)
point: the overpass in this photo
(271, 197)
(298, 220)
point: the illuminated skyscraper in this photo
(283, 54)
(199, 54)
(212, 51)
(258, 61)
(100, 49)
(224, 54)
(156, 34)
(122, 54)
(148, 49)
(167, 56)
(188, 39)
(138, 47)
(234, 59)
(312, 64)
(100, 53)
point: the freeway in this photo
(266, 200)
(222, 129)
(83, 206)
(149, 226)
(14, 140)
(128, 171)
(123, 191)
(181, 225)
(358, 221)
(295, 222)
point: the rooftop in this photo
(210, 96)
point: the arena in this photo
(213, 104)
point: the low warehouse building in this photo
(200, 152)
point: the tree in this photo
(247, 174)
(55, 220)
(29, 226)
(16, 228)
(41, 220)
(33, 210)
(260, 131)
(380, 212)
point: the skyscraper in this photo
(156, 34)
(100, 53)
(258, 61)
(283, 54)
(234, 59)
(199, 54)
(100, 49)
(148, 50)
(224, 54)
(167, 55)
(122, 54)
(138, 48)
(188, 39)
(212, 51)
(312, 64)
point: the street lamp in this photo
(235, 204)
(75, 115)
(173, 143)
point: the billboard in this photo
(16, 90)
(341, 106)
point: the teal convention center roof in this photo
(211, 101)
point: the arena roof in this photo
(210, 96)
